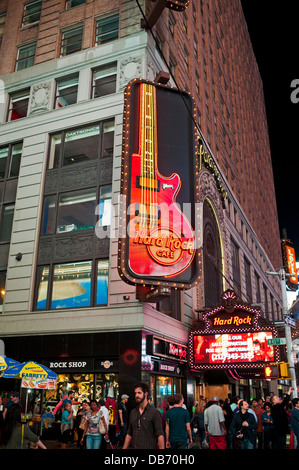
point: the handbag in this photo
(102, 428)
(83, 423)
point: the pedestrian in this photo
(92, 427)
(67, 425)
(14, 399)
(123, 417)
(81, 421)
(198, 420)
(14, 434)
(228, 416)
(215, 425)
(178, 428)
(170, 401)
(295, 421)
(260, 430)
(145, 423)
(280, 421)
(105, 412)
(267, 423)
(244, 426)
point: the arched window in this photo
(212, 259)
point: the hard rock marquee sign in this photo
(232, 337)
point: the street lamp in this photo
(287, 327)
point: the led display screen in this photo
(232, 348)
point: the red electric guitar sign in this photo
(160, 246)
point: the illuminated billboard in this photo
(158, 243)
(233, 348)
(289, 259)
(232, 335)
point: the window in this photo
(77, 210)
(66, 91)
(82, 144)
(26, 56)
(70, 285)
(107, 30)
(2, 24)
(73, 3)
(236, 267)
(18, 105)
(248, 280)
(104, 80)
(10, 158)
(6, 222)
(32, 13)
(71, 40)
(257, 288)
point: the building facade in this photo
(64, 68)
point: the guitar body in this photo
(160, 236)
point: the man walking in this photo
(178, 427)
(215, 425)
(244, 426)
(280, 421)
(145, 423)
(123, 416)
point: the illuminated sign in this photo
(232, 337)
(232, 348)
(290, 264)
(159, 212)
(159, 347)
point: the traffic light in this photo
(272, 371)
(284, 370)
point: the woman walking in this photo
(92, 428)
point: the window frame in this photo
(73, 29)
(93, 296)
(69, 6)
(105, 21)
(14, 97)
(62, 134)
(21, 49)
(111, 70)
(64, 80)
(27, 16)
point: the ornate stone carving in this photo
(40, 98)
(130, 68)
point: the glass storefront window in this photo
(107, 389)
(71, 285)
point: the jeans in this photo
(179, 445)
(93, 442)
(247, 444)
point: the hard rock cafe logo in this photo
(164, 245)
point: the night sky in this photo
(273, 28)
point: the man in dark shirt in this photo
(123, 416)
(280, 421)
(145, 423)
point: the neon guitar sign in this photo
(161, 241)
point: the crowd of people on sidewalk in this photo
(233, 423)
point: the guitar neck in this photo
(148, 133)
